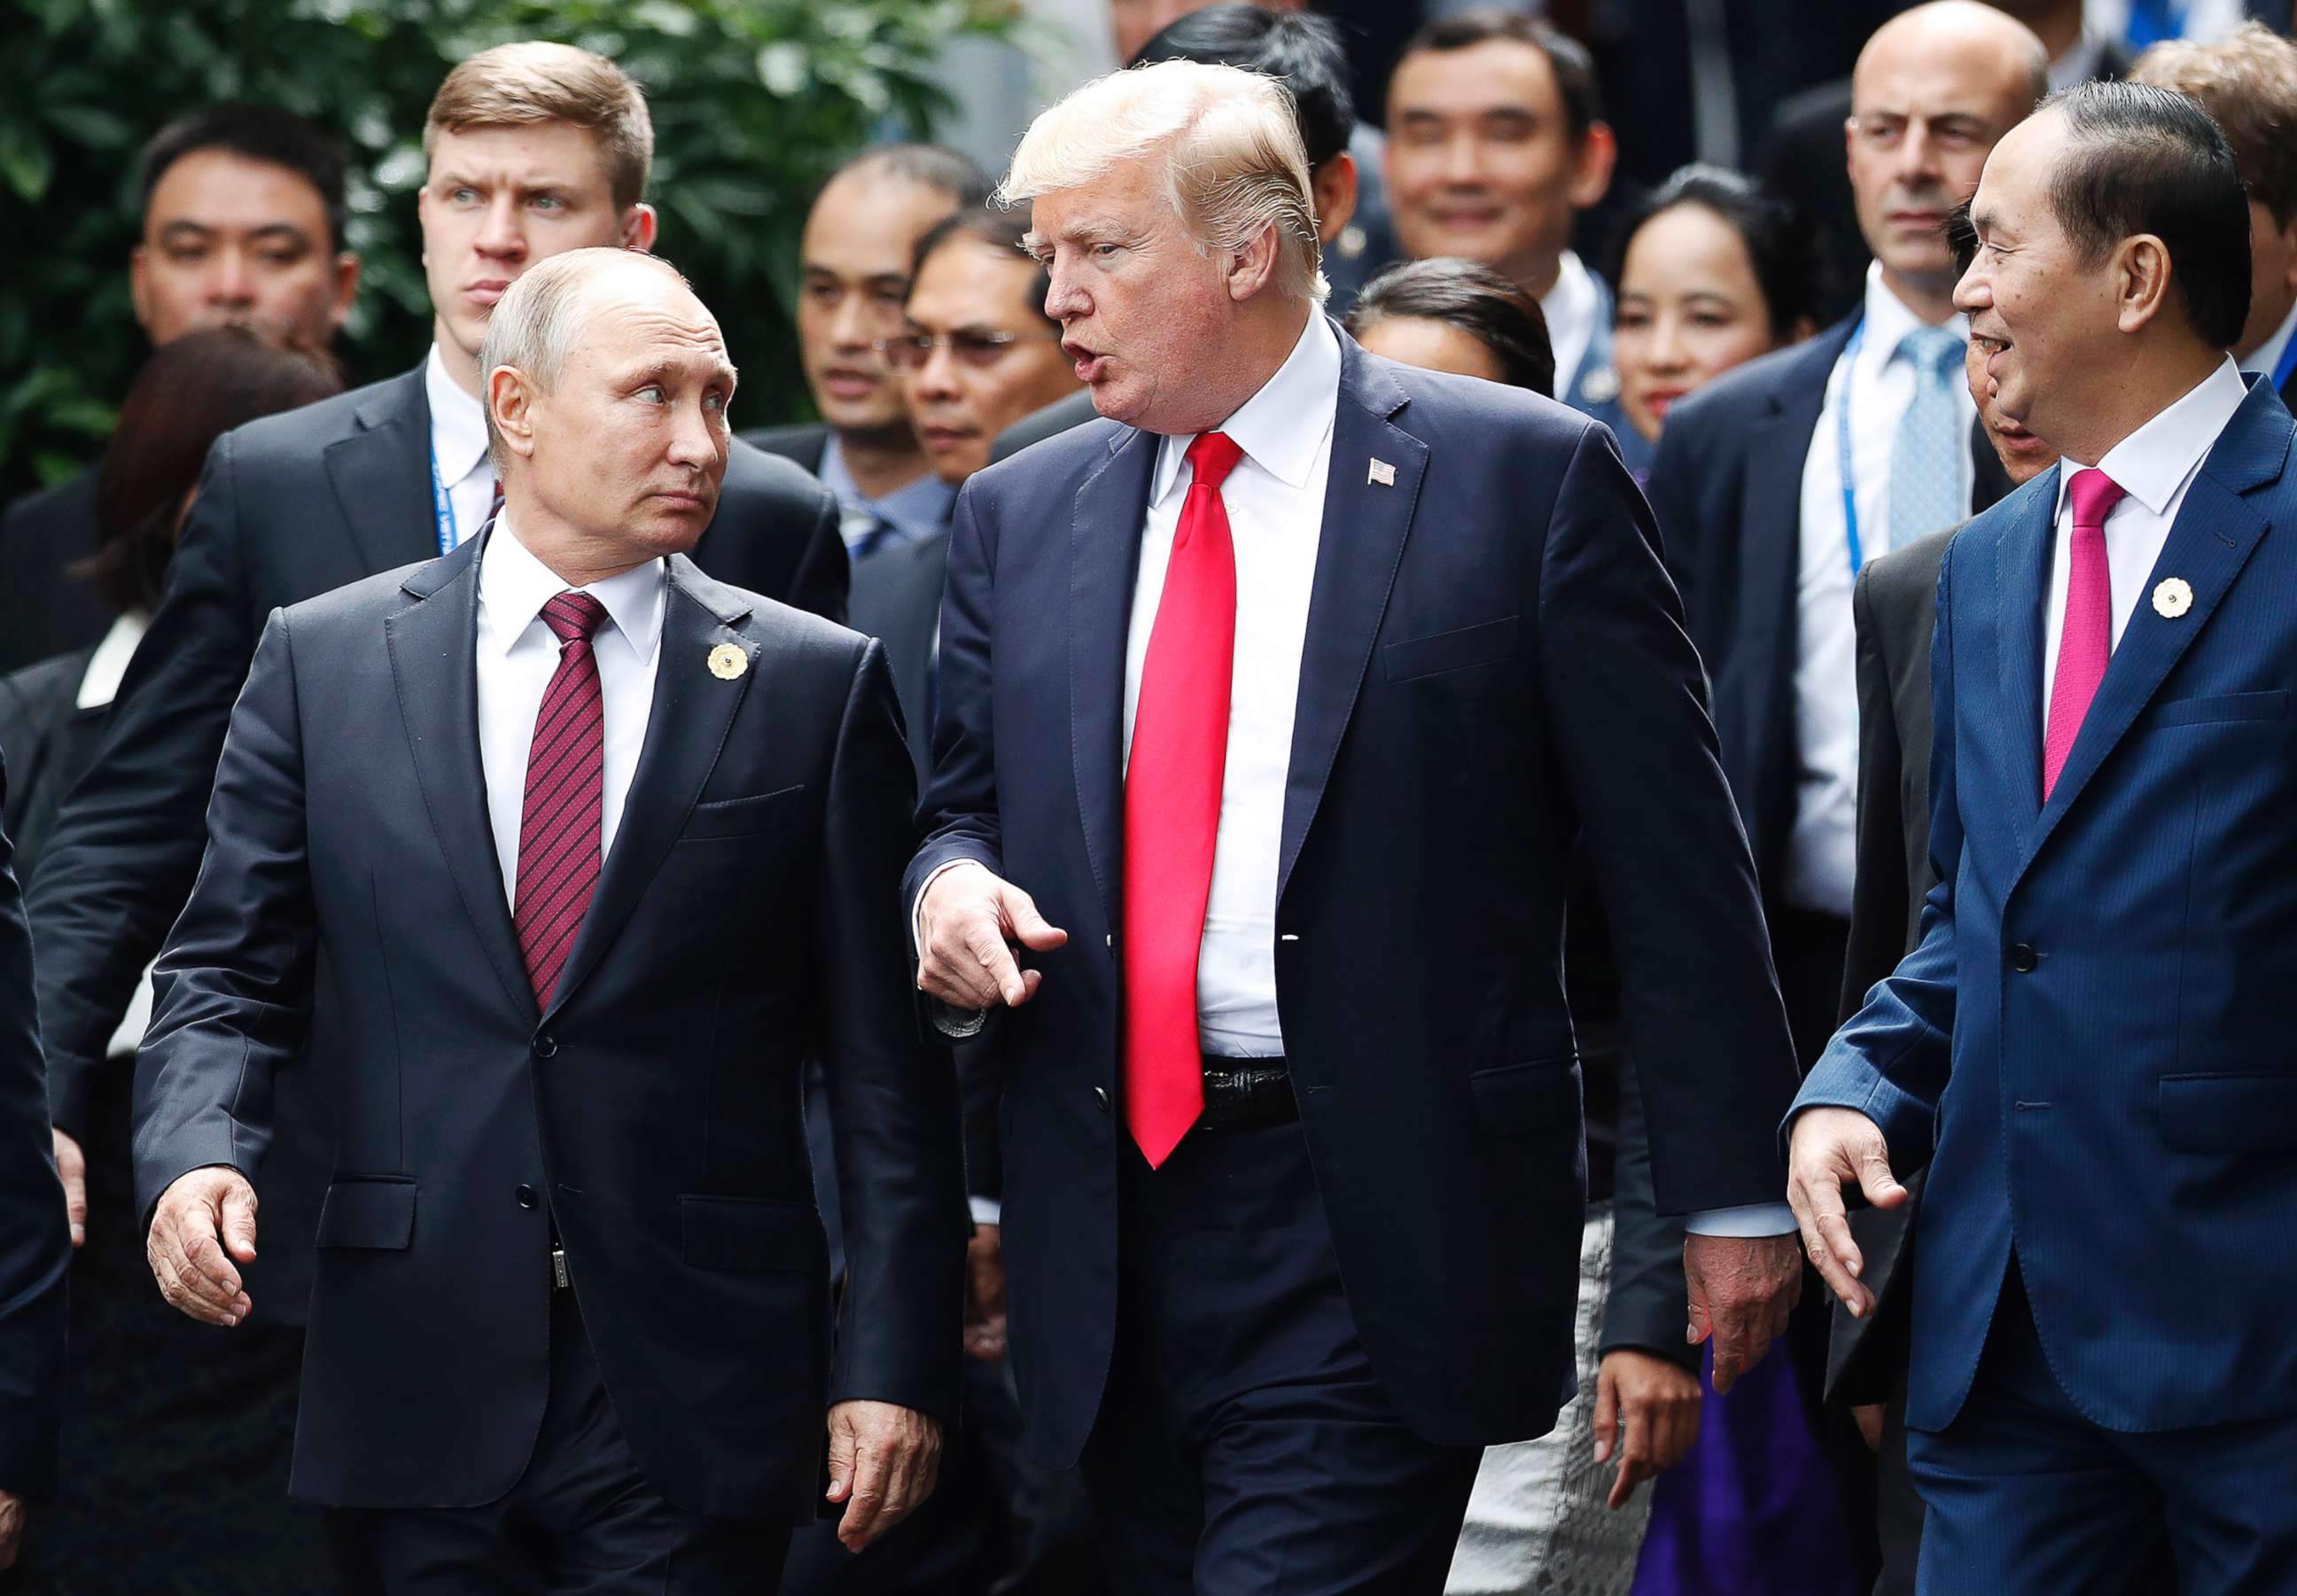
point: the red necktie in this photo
(2085, 640)
(1172, 809)
(558, 824)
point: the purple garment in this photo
(1753, 1510)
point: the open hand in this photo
(965, 925)
(1828, 1149)
(883, 1461)
(203, 1228)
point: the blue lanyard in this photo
(443, 508)
(1842, 445)
(2285, 364)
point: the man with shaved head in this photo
(599, 850)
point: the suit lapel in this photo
(693, 709)
(2021, 575)
(382, 476)
(1104, 561)
(2215, 531)
(1358, 551)
(433, 665)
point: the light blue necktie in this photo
(1926, 455)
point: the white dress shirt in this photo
(2266, 356)
(458, 448)
(1570, 308)
(1878, 385)
(517, 656)
(2155, 466)
(99, 685)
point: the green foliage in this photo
(753, 100)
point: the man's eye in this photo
(187, 254)
(547, 202)
(651, 393)
(713, 402)
(463, 196)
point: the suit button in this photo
(526, 1197)
(545, 1046)
(2023, 959)
(1100, 1097)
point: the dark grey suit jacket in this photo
(44, 609)
(804, 443)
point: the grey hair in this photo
(539, 320)
(1234, 165)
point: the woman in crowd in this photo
(1562, 1512)
(176, 1437)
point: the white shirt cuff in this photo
(1748, 1219)
(986, 1210)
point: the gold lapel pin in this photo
(2173, 595)
(727, 662)
(1381, 474)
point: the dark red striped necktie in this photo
(558, 824)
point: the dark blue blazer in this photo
(2091, 1044)
(1494, 659)
(744, 921)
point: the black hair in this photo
(937, 167)
(1493, 310)
(1573, 65)
(1781, 246)
(1002, 227)
(1304, 53)
(263, 132)
(2147, 160)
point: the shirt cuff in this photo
(1748, 1219)
(986, 1210)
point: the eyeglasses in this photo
(973, 346)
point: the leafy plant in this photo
(753, 101)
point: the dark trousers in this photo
(1243, 1444)
(581, 1519)
(2028, 1496)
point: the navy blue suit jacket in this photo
(1494, 658)
(742, 923)
(2091, 1043)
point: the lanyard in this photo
(443, 508)
(1842, 443)
(2285, 364)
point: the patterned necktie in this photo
(2085, 640)
(559, 822)
(1173, 786)
(1931, 442)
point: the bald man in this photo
(599, 850)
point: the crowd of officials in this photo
(1812, 371)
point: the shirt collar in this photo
(917, 510)
(2266, 356)
(1281, 427)
(1571, 309)
(2154, 462)
(514, 585)
(458, 425)
(1890, 319)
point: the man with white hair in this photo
(598, 849)
(1271, 704)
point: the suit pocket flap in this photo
(741, 816)
(376, 1213)
(1450, 651)
(753, 1233)
(2229, 1113)
(1517, 1099)
(2270, 705)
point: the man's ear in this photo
(347, 280)
(639, 226)
(1253, 269)
(1591, 175)
(1335, 187)
(2141, 280)
(139, 286)
(510, 405)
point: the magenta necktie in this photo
(558, 824)
(1173, 786)
(2087, 639)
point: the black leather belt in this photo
(1242, 1094)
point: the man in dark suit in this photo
(295, 505)
(1802, 160)
(35, 1254)
(2248, 83)
(242, 221)
(2089, 1042)
(1306, 1018)
(599, 849)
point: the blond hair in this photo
(542, 317)
(2247, 81)
(519, 85)
(1228, 144)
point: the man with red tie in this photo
(1272, 704)
(2089, 1046)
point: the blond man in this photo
(535, 149)
(1271, 705)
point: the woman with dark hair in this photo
(1455, 316)
(1711, 271)
(175, 1440)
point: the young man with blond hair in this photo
(1293, 1012)
(534, 149)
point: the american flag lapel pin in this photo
(1381, 474)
